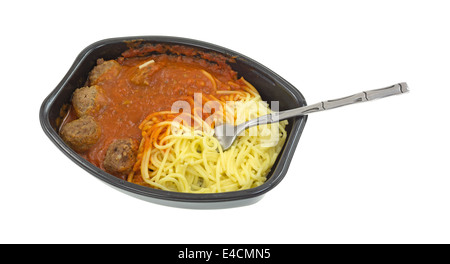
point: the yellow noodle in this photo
(177, 157)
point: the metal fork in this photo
(227, 134)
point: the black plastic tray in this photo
(270, 85)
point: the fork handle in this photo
(325, 105)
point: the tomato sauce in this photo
(131, 93)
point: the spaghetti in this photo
(178, 152)
(155, 109)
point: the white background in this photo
(376, 172)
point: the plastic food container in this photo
(271, 86)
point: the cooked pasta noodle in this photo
(149, 116)
(178, 152)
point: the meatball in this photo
(120, 156)
(99, 72)
(81, 134)
(87, 100)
